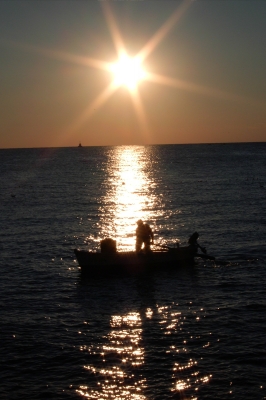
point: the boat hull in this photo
(92, 263)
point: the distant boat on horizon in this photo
(80, 145)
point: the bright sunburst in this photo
(127, 71)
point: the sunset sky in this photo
(203, 72)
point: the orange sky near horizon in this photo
(205, 67)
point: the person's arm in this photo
(203, 249)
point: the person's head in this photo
(193, 238)
(139, 222)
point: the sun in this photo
(127, 72)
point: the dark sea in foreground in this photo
(194, 333)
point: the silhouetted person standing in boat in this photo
(144, 235)
(193, 243)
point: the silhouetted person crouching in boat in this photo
(193, 243)
(144, 235)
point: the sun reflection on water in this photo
(123, 367)
(186, 374)
(129, 194)
(120, 353)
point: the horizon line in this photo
(131, 145)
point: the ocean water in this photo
(187, 334)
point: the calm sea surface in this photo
(195, 333)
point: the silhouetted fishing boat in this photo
(110, 261)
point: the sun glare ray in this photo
(129, 72)
(117, 38)
(164, 30)
(203, 90)
(141, 115)
(61, 55)
(90, 110)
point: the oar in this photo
(205, 256)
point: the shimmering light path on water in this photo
(129, 193)
(193, 333)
